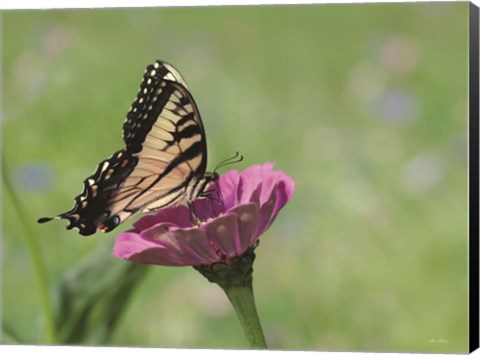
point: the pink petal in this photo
(222, 233)
(232, 232)
(132, 247)
(280, 196)
(284, 193)
(128, 244)
(179, 215)
(257, 182)
(227, 184)
(266, 215)
(247, 221)
(197, 242)
(207, 208)
(189, 246)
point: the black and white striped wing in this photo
(159, 81)
(93, 207)
(165, 132)
(162, 165)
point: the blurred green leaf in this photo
(93, 296)
(9, 332)
(35, 255)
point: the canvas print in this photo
(237, 177)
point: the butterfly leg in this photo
(215, 197)
(195, 220)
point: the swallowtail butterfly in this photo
(163, 164)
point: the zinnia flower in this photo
(251, 201)
(221, 244)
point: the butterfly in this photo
(162, 165)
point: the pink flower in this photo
(251, 201)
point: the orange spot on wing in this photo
(102, 228)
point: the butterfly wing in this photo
(164, 131)
(162, 165)
(162, 89)
(90, 210)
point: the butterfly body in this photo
(163, 164)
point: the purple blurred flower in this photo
(398, 106)
(251, 201)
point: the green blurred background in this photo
(365, 106)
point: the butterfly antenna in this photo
(237, 158)
(215, 193)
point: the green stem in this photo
(35, 257)
(243, 301)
